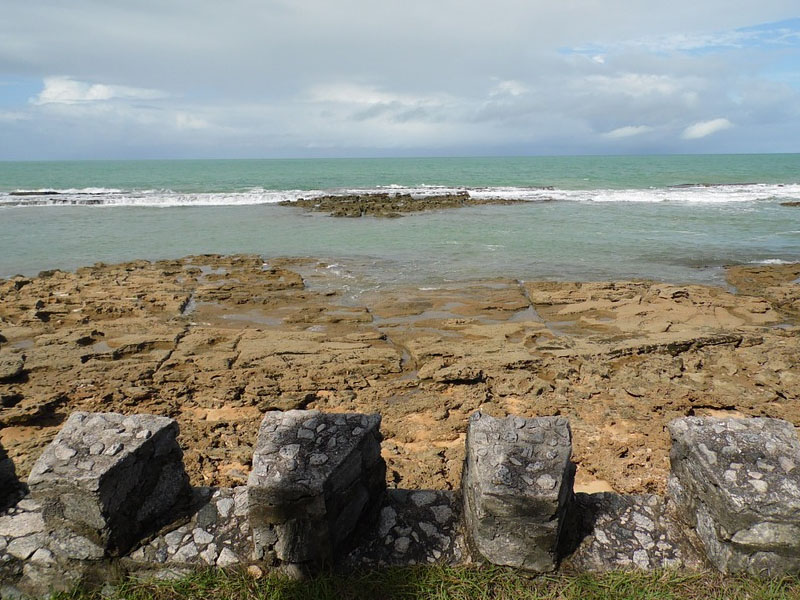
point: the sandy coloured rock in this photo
(215, 341)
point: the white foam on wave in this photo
(771, 261)
(699, 194)
(149, 198)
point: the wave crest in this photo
(690, 194)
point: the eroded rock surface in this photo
(389, 205)
(215, 341)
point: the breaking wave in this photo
(690, 194)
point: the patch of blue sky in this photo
(774, 35)
(16, 91)
(786, 70)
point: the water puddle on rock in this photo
(527, 314)
(101, 348)
(253, 316)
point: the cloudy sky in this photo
(268, 78)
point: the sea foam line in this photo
(699, 194)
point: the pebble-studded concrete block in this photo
(35, 560)
(111, 478)
(614, 531)
(737, 482)
(316, 478)
(9, 484)
(216, 535)
(413, 527)
(517, 485)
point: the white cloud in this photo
(187, 121)
(510, 87)
(628, 131)
(65, 90)
(705, 128)
(635, 84)
(360, 94)
(470, 78)
(13, 116)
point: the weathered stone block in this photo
(737, 482)
(316, 477)
(615, 531)
(111, 478)
(517, 485)
(9, 484)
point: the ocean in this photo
(671, 218)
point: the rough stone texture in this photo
(35, 560)
(315, 479)
(9, 484)
(414, 527)
(737, 482)
(216, 535)
(615, 531)
(111, 478)
(517, 486)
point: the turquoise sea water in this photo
(677, 218)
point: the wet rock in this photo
(737, 483)
(388, 205)
(517, 487)
(115, 495)
(305, 510)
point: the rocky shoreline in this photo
(215, 341)
(387, 205)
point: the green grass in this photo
(452, 583)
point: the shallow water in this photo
(562, 240)
(608, 218)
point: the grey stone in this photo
(227, 558)
(24, 547)
(409, 534)
(132, 488)
(309, 495)
(199, 542)
(735, 481)
(517, 487)
(10, 488)
(21, 524)
(610, 531)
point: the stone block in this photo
(316, 478)
(737, 482)
(517, 487)
(9, 484)
(111, 478)
(414, 527)
(612, 531)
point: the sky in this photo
(115, 79)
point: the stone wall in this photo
(109, 498)
(9, 484)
